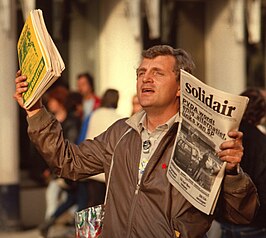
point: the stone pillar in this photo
(104, 44)
(225, 51)
(9, 137)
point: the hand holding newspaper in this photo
(38, 57)
(207, 115)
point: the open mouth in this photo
(147, 90)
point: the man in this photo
(85, 85)
(141, 202)
(90, 102)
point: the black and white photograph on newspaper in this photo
(195, 155)
(206, 116)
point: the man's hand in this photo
(232, 150)
(21, 87)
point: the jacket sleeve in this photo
(239, 199)
(66, 159)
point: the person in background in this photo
(90, 102)
(105, 115)
(100, 120)
(262, 125)
(85, 85)
(254, 164)
(75, 108)
(74, 105)
(57, 99)
(141, 202)
(57, 103)
(135, 104)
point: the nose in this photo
(147, 77)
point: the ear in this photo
(178, 92)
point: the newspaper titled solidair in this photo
(207, 115)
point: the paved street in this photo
(22, 234)
(58, 231)
(32, 202)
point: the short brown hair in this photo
(183, 59)
(89, 79)
(110, 98)
(60, 94)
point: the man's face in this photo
(84, 87)
(157, 87)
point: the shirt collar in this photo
(136, 121)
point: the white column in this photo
(119, 54)
(225, 54)
(9, 188)
(105, 44)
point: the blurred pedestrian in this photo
(100, 120)
(74, 105)
(254, 164)
(135, 104)
(57, 99)
(91, 101)
(85, 85)
(105, 115)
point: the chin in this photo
(145, 107)
(145, 103)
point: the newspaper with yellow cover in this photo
(38, 57)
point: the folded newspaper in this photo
(38, 58)
(207, 115)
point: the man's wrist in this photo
(33, 112)
(234, 171)
(34, 109)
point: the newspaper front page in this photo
(33, 60)
(207, 115)
(38, 58)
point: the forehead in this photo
(83, 81)
(165, 62)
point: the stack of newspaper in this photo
(39, 58)
(207, 115)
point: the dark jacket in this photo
(254, 163)
(153, 209)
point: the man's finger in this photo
(22, 85)
(18, 73)
(235, 134)
(20, 79)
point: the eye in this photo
(140, 73)
(158, 73)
